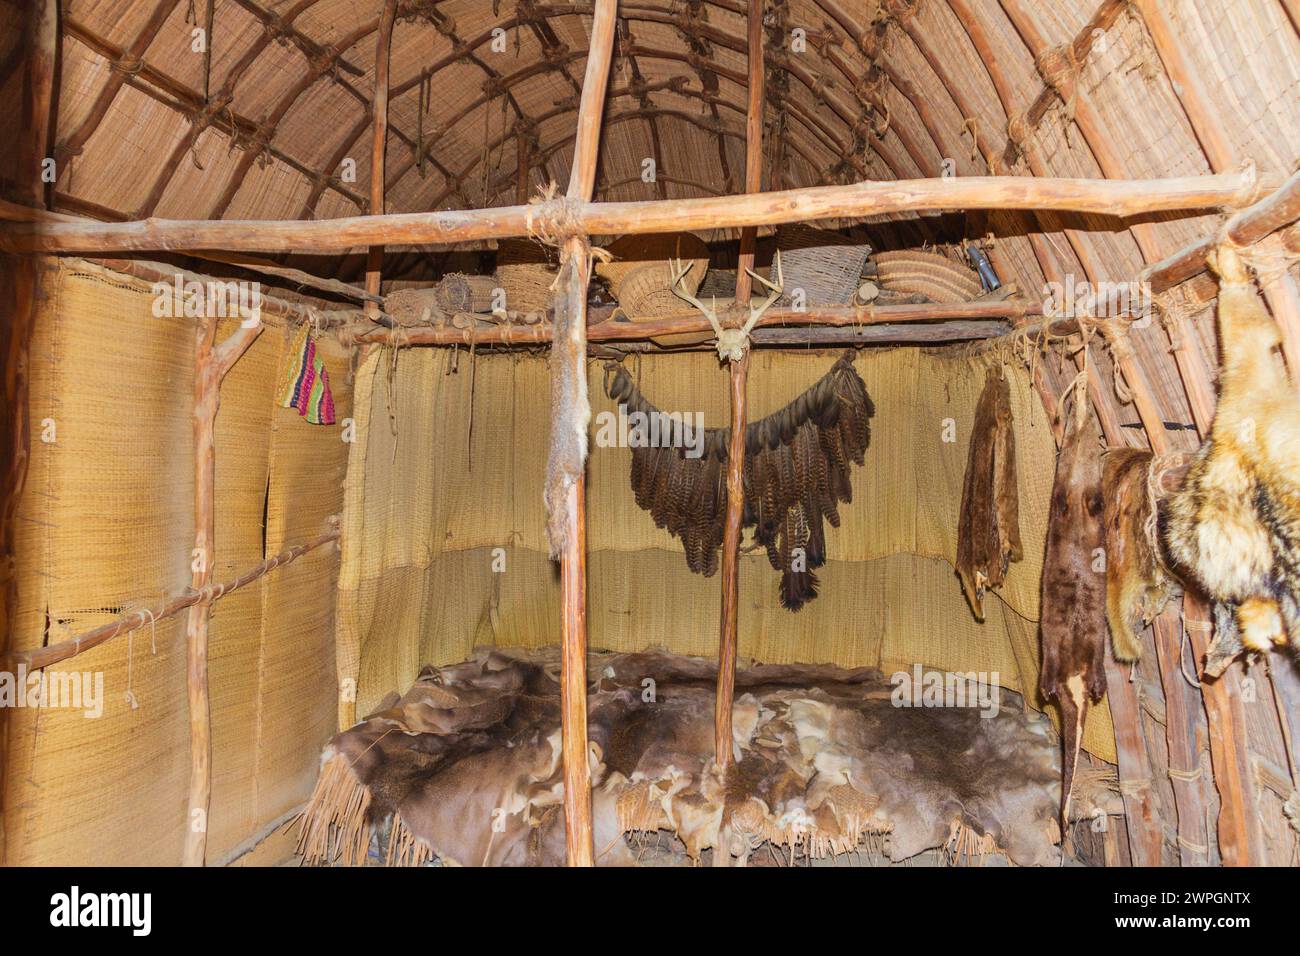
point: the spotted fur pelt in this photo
(1233, 528)
(1073, 608)
(796, 474)
(1137, 586)
(988, 530)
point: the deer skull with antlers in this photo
(733, 339)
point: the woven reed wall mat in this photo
(106, 525)
(466, 767)
(434, 488)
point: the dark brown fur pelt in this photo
(1073, 607)
(796, 473)
(1233, 528)
(1137, 587)
(988, 531)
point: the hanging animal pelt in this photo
(988, 531)
(1137, 587)
(796, 474)
(1073, 607)
(1234, 526)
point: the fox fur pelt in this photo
(1073, 608)
(988, 531)
(1234, 526)
(796, 474)
(1137, 587)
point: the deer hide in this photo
(1137, 587)
(988, 530)
(1234, 526)
(1073, 607)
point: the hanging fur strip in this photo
(988, 531)
(1137, 587)
(1073, 605)
(570, 409)
(796, 474)
(1234, 526)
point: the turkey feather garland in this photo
(796, 473)
(1073, 598)
(988, 531)
(1234, 526)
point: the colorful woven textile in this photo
(305, 382)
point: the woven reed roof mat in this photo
(466, 766)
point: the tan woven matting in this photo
(444, 491)
(106, 524)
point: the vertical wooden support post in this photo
(739, 373)
(378, 145)
(521, 176)
(211, 363)
(570, 412)
(19, 292)
(1182, 710)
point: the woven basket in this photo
(457, 292)
(526, 272)
(937, 277)
(640, 274)
(826, 265)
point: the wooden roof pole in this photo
(378, 145)
(211, 363)
(1121, 198)
(1278, 287)
(570, 412)
(1238, 832)
(738, 372)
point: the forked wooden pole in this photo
(211, 363)
(739, 375)
(378, 144)
(569, 389)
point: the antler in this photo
(756, 312)
(679, 270)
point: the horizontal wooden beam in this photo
(920, 333)
(695, 322)
(1275, 211)
(558, 217)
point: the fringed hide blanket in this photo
(988, 531)
(467, 767)
(796, 474)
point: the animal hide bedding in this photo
(1073, 603)
(1233, 528)
(988, 530)
(466, 767)
(1137, 587)
(796, 474)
